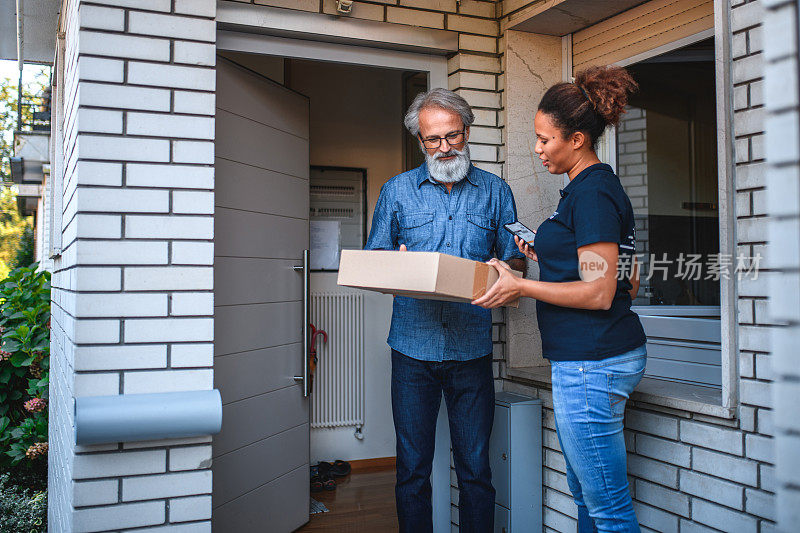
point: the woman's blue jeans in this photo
(589, 402)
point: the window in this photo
(691, 324)
(666, 157)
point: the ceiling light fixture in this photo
(344, 6)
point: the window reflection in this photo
(667, 163)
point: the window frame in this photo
(55, 200)
(727, 224)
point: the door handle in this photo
(305, 269)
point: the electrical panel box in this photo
(337, 213)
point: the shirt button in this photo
(444, 325)
(450, 217)
(581, 369)
(448, 245)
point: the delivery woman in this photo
(595, 343)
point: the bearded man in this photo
(449, 206)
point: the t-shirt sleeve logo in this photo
(630, 243)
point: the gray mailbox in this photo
(138, 417)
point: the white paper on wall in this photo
(325, 244)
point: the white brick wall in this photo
(632, 171)
(119, 299)
(145, 68)
(783, 202)
(62, 492)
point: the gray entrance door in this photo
(261, 455)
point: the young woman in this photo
(595, 343)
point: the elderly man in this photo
(446, 205)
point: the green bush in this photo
(21, 510)
(24, 365)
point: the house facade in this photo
(146, 115)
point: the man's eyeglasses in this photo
(455, 138)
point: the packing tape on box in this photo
(480, 280)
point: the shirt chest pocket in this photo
(415, 230)
(481, 231)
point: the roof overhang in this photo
(279, 22)
(28, 199)
(561, 17)
(39, 26)
(27, 172)
(31, 156)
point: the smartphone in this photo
(522, 231)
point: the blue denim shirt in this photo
(416, 211)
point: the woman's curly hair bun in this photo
(594, 101)
(607, 88)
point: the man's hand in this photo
(505, 289)
(403, 248)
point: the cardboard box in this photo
(428, 275)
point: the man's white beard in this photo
(451, 171)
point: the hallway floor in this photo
(362, 502)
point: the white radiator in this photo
(338, 395)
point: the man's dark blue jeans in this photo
(468, 388)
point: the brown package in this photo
(428, 275)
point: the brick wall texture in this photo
(783, 203)
(632, 172)
(138, 245)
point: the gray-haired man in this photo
(446, 205)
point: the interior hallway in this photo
(363, 502)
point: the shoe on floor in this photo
(328, 483)
(338, 468)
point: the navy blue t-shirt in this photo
(593, 208)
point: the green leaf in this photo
(17, 453)
(24, 316)
(10, 345)
(21, 359)
(40, 347)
